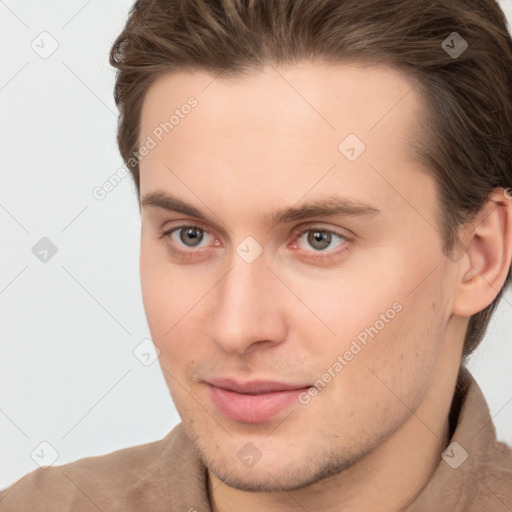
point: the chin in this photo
(272, 475)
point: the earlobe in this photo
(485, 266)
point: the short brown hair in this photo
(466, 139)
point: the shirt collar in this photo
(472, 439)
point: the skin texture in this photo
(372, 437)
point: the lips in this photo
(252, 402)
(255, 387)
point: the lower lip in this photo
(252, 408)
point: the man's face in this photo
(264, 276)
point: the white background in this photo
(68, 375)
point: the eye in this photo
(189, 236)
(320, 239)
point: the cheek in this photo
(393, 367)
(402, 358)
(385, 316)
(165, 290)
(155, 286)
(162, 293)
(343, 304)
(173, 298)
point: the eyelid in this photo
(163, 218)
(167, 231)
(324, 257)
(304, 228)
(176, 233)
(182, 249)
(181, 252)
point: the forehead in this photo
(278, 132)
(328, 97)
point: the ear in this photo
(483, 269)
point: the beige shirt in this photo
(168, 475)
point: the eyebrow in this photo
(325, 207)
(167, 202)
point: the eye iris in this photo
(191, 236)
(319, 239)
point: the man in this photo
(326, 203)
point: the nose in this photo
(247, 309)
